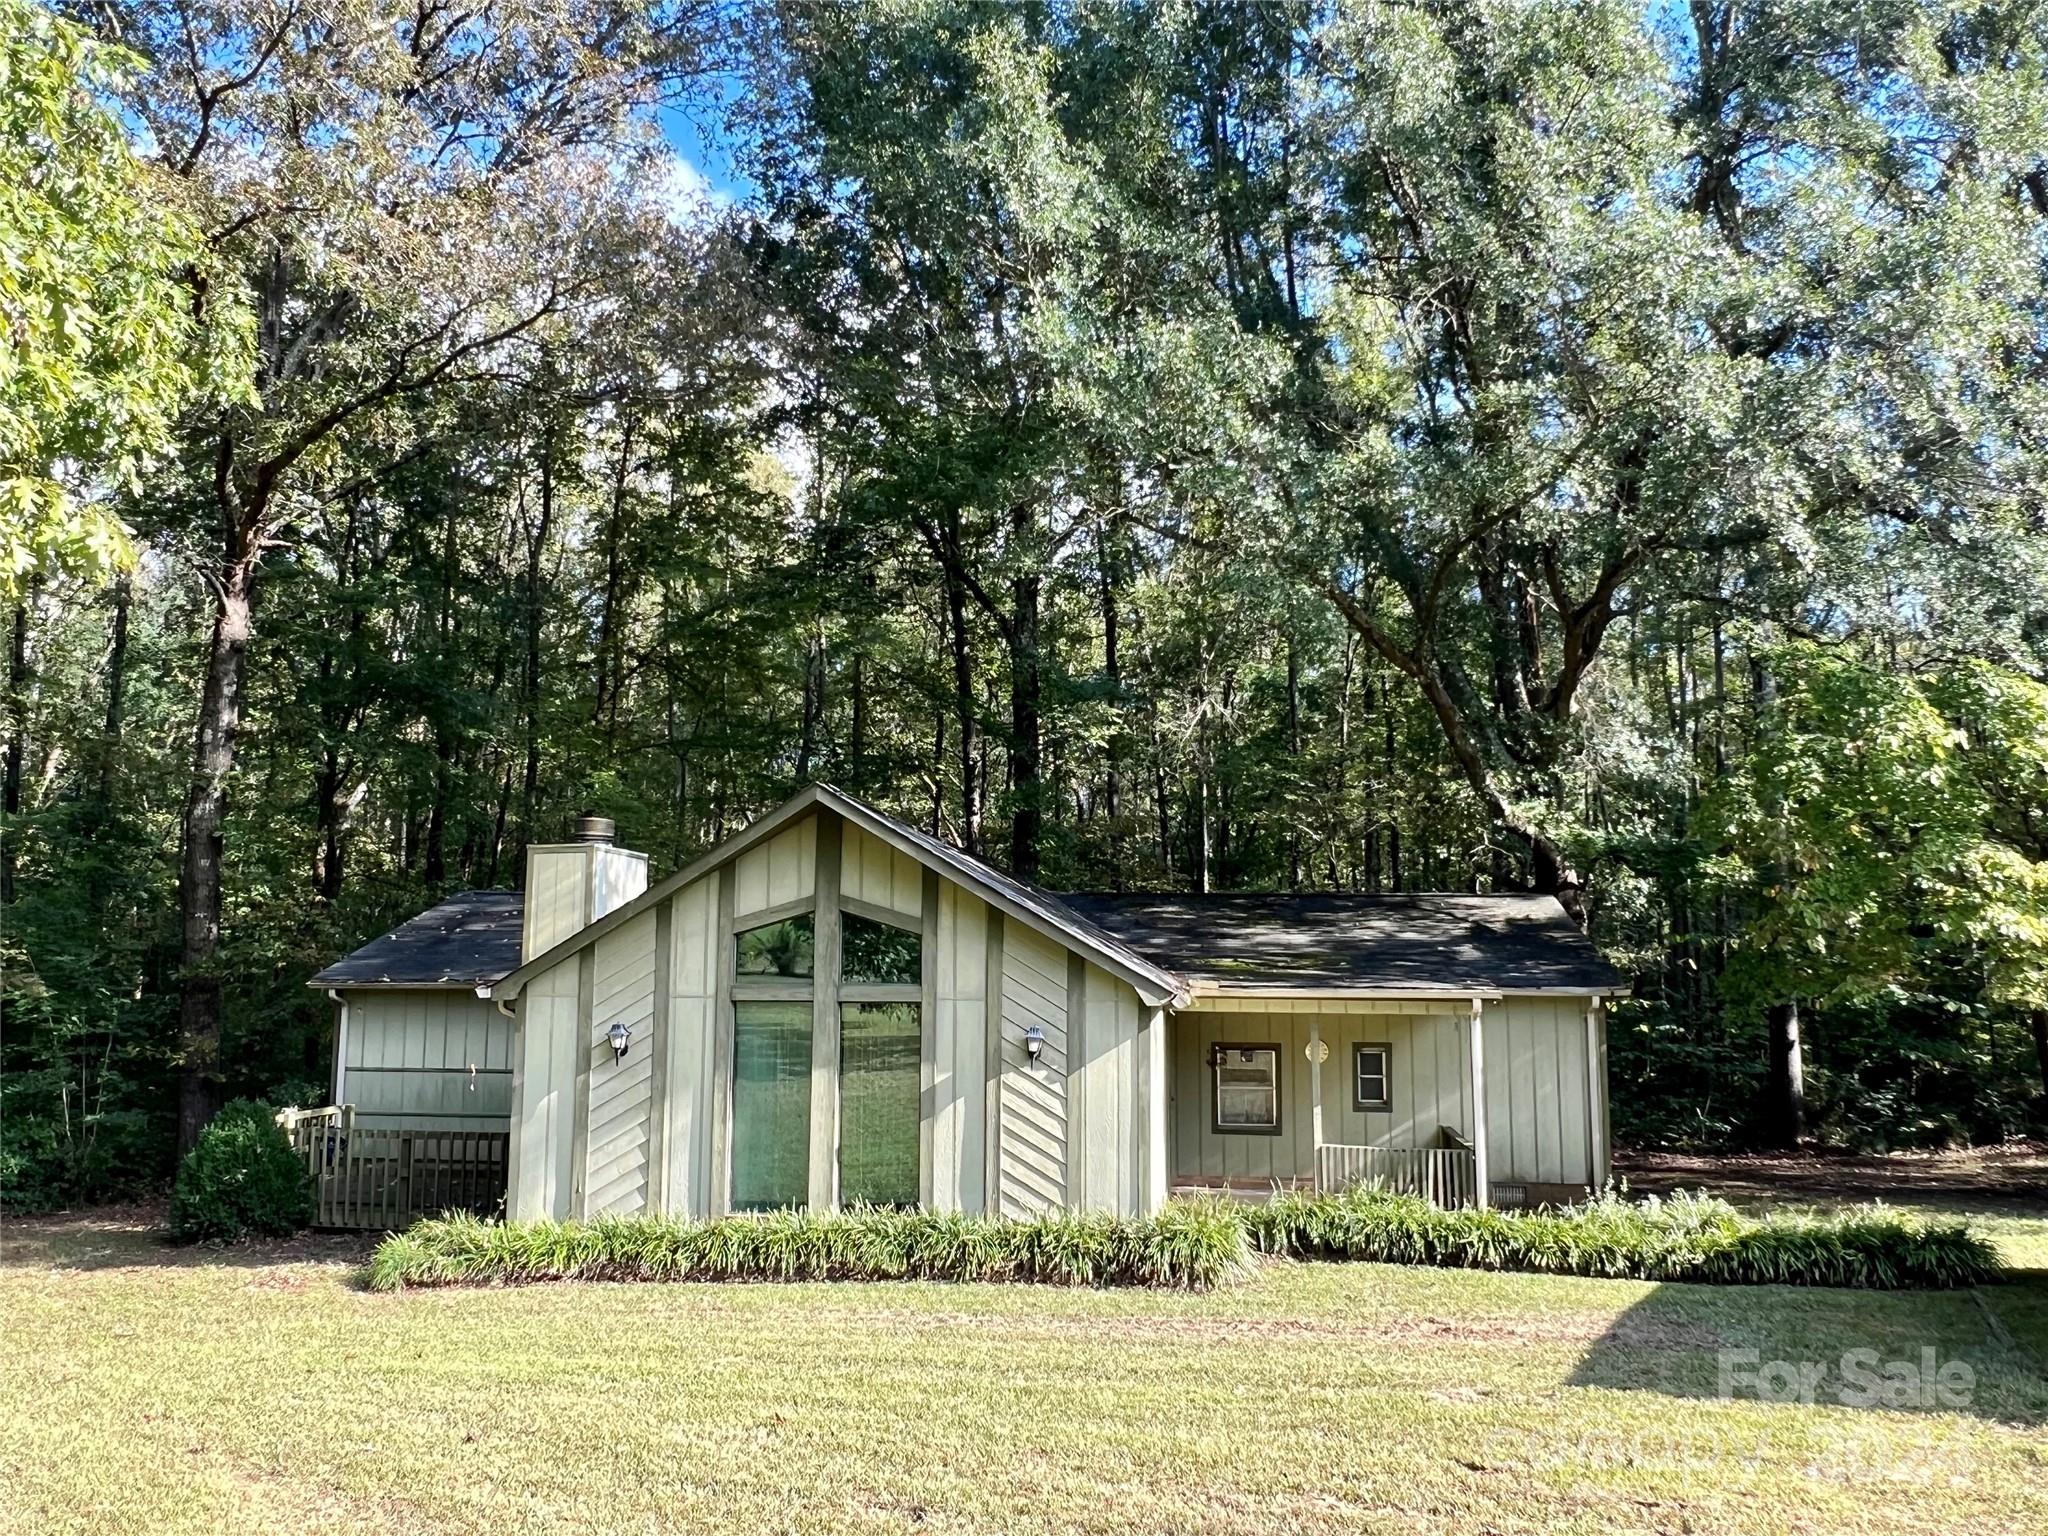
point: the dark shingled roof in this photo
(1444, 943)
(471, 938)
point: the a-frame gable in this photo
(906, 845)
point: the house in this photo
(834, 1007)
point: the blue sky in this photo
(699, 137)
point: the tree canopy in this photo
(1591, 449)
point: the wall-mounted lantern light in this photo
(1034, 1044)
(620, 1037)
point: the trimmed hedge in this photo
(243, 1177)
(1686, 1237)
(1192, 1245)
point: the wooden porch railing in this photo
(1444, 1176)
(380, 1180)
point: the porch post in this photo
(1596, 1092)
(340, 1046)
(1152, 1154)
(1482, 1194)
(1315, 1099)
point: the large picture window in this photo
(1247, 1089)
(771, 1104)
(1371, 1076)
(879, 1048)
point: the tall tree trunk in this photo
(1160, 802)
(536, 549)
(1785, 1087)
(1294, 760)
(199, 873)
(964, 713)
(1785, 1076)
(1109, 568)
(17, 750)
(604, 708)
(857, 732)
(1026, 684)
(435, 873)
(2039, 1020)
(117, 692)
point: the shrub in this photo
(1686, 1237)
(1191, 1245)
(242, 1178)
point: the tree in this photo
(98, 353)
(1886, 832)
(398, 196)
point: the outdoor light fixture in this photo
(1034, 1043)
(620, 1037)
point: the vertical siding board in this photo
(992, 1065)
(660, 1056)
(826, 942)
(1575, 1153)
(928, 1051)
(719, 1196)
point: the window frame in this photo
(769, 986)
(1217, 1052)
(1360, 1103)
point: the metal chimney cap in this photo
(592, 828)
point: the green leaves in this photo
(1888, 824)
(95, 346)
(1687, 1237)
(1190, 1244)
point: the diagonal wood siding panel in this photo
(1031, 1159)
(621, 1092)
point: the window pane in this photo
(776, 949)
(879, 1049)
(1371, 1073)
(771, 1105)
(878, 952)
(1247, 1087)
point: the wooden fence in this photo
(380, 1180)
(1445, 1176)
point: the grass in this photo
(161, 1390)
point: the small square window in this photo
(1370, 1068)
(1247, 1089)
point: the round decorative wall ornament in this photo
(1317, 1050)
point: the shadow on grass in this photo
(133, 1237)
(1980, 1352)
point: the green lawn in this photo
(149, 1390)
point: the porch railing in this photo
(1444, 1176)
(377, 1179)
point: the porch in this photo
(382, 1178)
(1326, 1093)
